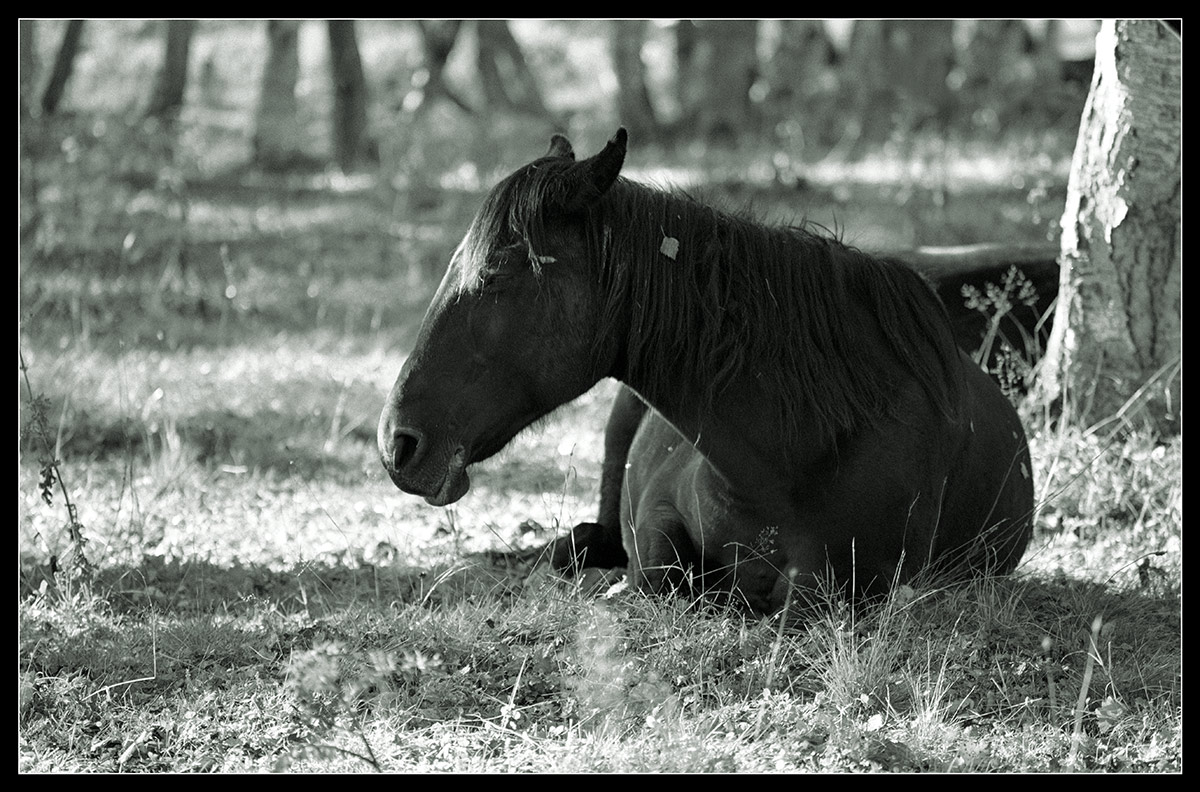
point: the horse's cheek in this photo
(490, 329)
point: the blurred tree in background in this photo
(633, 96)
(801, 79)
(27, 59)
(64, 64)
(725, 83)
(718, 67)
(429, 84)
(353, 145)
(167, 99)
(505, 76)
(277, 145)
(902, 69)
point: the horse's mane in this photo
(735, 296)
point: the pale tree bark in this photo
(171, 84)
(1115, 347)
(276, 133)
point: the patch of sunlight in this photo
(465, 177)
(957, 170)
(339, 182)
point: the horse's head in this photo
(511, 332)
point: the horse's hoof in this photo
(588, 545)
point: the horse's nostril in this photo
(408, 448)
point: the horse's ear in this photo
(560, 147)
(592, 177)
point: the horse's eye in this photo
(492, 277)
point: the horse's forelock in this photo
(514, 210)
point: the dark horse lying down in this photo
(811, 412)
(949, 270)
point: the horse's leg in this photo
(662, 557)
(623, 422)
(598, 544)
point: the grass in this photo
(259, 605)
(208, 350)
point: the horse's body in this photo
(949, 270)
(811, 413)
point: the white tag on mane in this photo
(669, 247)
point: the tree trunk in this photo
(997, 70)
(720, 67)
(798, 68)
(27, 186)
(921, 55)
(276, 133)
(1117, 329)
(169, 88)
(801, 88)
(27, 60)
(686, 88)
(864, 80)
(351, 142)
(64, 64)
(437, 40)
(896, 71)
(504, 74)
(633, 98)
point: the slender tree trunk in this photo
(633, 97)
(1047, 63)
(997, 68)
(437, 40)
(797, 70)
(687, 88)
(64, 64)
(351, 142)
(1117, 328)
(721, 67)
(171, 84)
(922, 56)
(504, 73)
(864, 79)
(896, 71)
(28, 63)
(276, 134)
(28, 213)
(801, 87)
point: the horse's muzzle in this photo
(404, 452)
